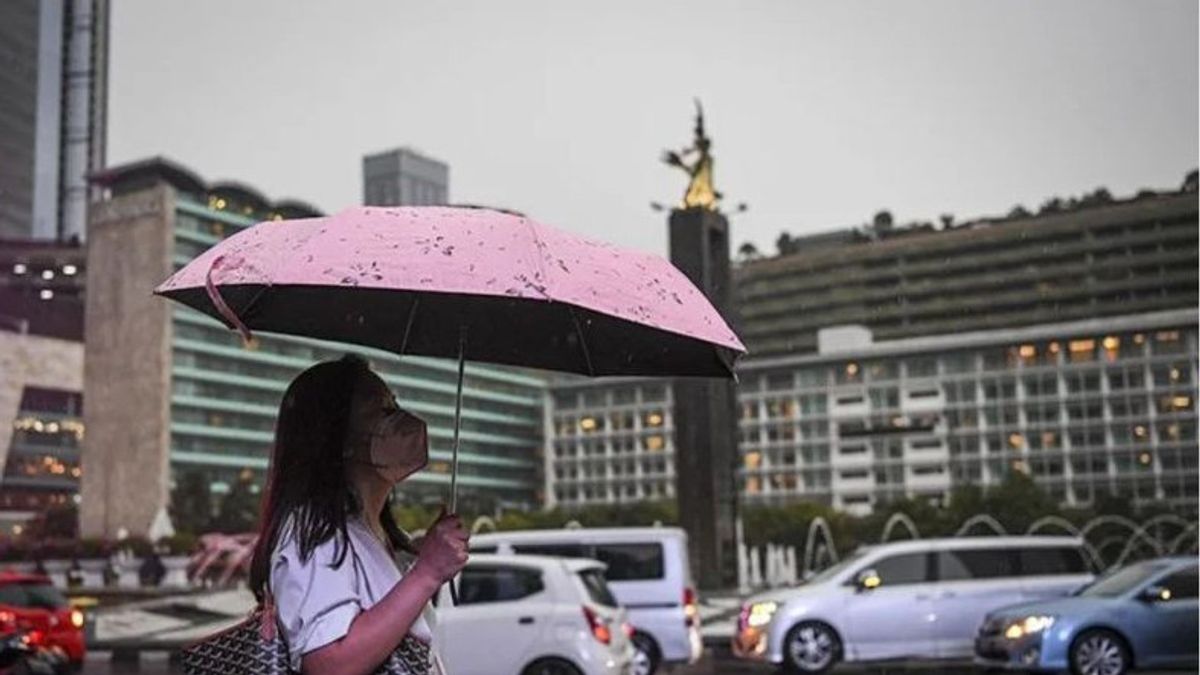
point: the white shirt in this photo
(316, 602)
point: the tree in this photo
(947, 220)
(1019, 211)
(1191, 181)
(748, 251)
(191, 503)
(239, 508)
(1052, 205)
(785, 245)
(882, 220)
(1017, 502)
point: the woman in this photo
(351, 591)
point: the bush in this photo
(181, 543)
(94, 548)
(138, 546)
(14, 551)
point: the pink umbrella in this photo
(467, 283)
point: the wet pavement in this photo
(158, 664)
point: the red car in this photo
(30, 603)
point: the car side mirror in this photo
(1153, 594)
(868, 579)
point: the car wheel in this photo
(1099, 652)
(811, 647)
(646, 655)
(551, 667)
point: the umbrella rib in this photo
(412, 314)
(587, 355)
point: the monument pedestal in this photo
(706, 454)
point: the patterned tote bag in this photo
(255, 646)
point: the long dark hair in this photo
(308, 489)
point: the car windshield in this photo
(31, 594)
(1121, 582)
(836, 569)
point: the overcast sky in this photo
(821, 113)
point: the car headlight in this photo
(760, 614)
(1028, 626)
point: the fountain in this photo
(1178, 541)
(899, 518)
(1057, 521)
(482, 522)
(818, 524)
(981, 519)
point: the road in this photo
(99, 664)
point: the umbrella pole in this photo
(458, 398)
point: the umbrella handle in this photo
(223, 308)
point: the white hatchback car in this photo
(533, 615)
(921, 599)
(647, 571)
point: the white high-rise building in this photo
(1085, 408)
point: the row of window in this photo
(626, 490)
(1106, 348)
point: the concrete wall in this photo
(127, 375)
(33, 361)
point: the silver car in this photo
(921, 599)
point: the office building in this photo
(172, 392)
(1106, 259)
(404, 177)
(52, 114)
(1086, 408)
(1088, 386)
(41, 391)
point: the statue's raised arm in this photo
(700, 191)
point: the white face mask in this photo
(399, 446)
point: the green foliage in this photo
(191, 503)
(1017, 503)
(138, 546)
(239, 509)
(181, 543)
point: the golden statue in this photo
(700, 191)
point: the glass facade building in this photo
(222, 396)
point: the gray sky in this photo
(821, 112)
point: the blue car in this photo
(1140, 616)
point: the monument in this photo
(706, 456)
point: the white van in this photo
(647, 571)
(919, 599)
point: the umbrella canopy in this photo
(462, 282)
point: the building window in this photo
(780, 381)
(882, 371)
(654, 443)
(749, 410)
(925, 367)
(1081, 350)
